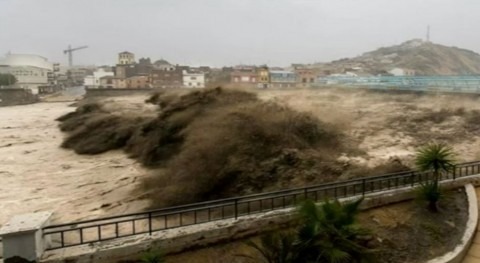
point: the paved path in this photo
(473, 255)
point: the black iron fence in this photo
(108, 228)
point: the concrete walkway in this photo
(473, 255)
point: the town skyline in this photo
(217, 33)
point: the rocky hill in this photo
(426, 58)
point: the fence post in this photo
(150, 223)
(305, 193)
(412, 177)
(363, 186)
(454, 172)
(236, 208)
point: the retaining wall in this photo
(185, 238)
(116, 92)
(11, 96)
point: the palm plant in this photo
(438, 158)
(275, 247)
(327, 234)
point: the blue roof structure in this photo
(462, 84)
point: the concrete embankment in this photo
(11, 96)
(177, 240)
(117, 92)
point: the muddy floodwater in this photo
(37, 175)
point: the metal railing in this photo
(108, 228)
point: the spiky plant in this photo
(438, 158)
(326, 234)
(329, 233)
(274, 247)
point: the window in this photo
(193, 78)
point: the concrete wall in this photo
(117, 92)
(22, 237)
(185, 238)
(28, 75)
(10, 97)
(24, 245)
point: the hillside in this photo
(426, 58)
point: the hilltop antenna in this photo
(428, 33)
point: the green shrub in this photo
(153, 257)
(438, 158)
(431, 193)
(327, 233)
(275, 247)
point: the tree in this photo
(7, 79)
(438, 158)
(327, 233)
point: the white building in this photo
(31, 71)
(402, 72)
(93, 81)
(193, 79)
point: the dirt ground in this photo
(38, 175)
(405, 232)
(408, 233)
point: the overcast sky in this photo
(229, 32)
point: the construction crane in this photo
(70, 50)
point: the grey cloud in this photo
(226, 32)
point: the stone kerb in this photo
(457, 255)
